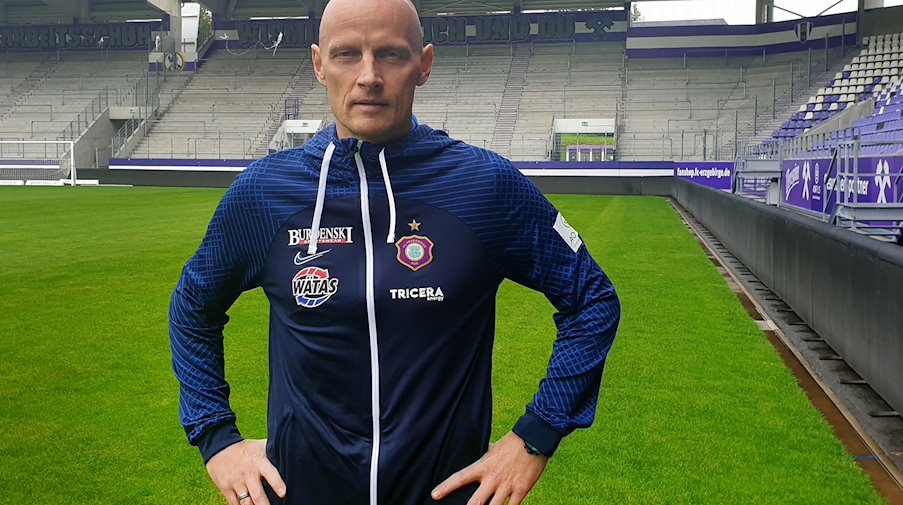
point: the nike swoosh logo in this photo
(300, 260)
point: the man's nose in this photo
(370, 73)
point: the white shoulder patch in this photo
(568, 234)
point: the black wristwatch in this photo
(533, 451)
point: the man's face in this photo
(371, 60)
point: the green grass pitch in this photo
(696, 406)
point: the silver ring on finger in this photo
(244, 496)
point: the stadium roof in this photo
(86, 11)
(248, 8)
(65, 11)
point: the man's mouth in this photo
(370, 103)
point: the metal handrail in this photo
(151, 102)
(92, 111)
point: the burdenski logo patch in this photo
(332, 235)
(312, 286)
(414, 251)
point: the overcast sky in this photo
(740, 12)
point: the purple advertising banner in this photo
(755, 186)
(803, 183)
(712, 174)
(814, 185)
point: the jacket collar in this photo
(420, 141)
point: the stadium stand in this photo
(876, 67)
(481, 94)
(882, 132)
(878, 133)
(19, 75)
(504, 97)
(565, 81)
(478, 94)
(56, 95)
(469, 86)
(671, 104)
(871, 81)
(236, 101)
(501, 96)
(507, 97)
(227, 109)
(465, 91)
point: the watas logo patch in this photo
(312, 286)
(414, 251)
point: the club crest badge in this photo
(414, 251)
(804, 31)
(312, 286)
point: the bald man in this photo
(381, 244)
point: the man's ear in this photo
(318, 63)
(426, 64)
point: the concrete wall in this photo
(93, 147)
(847, 287)
(845, 119)
(660, 186)
(879, 21)
(186, 178)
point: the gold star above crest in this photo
(415, 226)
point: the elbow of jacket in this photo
(616, 309)
(612, 309)
(612, 303)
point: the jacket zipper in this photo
(371, 326)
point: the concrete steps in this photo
(506, 118)
(22, 90)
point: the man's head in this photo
(371, 58)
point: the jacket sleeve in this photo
(542, 252)
(227, 262)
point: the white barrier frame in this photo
(73, 179)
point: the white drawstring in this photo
(321, 196)
(390, 239)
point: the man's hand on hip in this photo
(507, 472)
(239, 470)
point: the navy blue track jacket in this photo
(381, 264)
